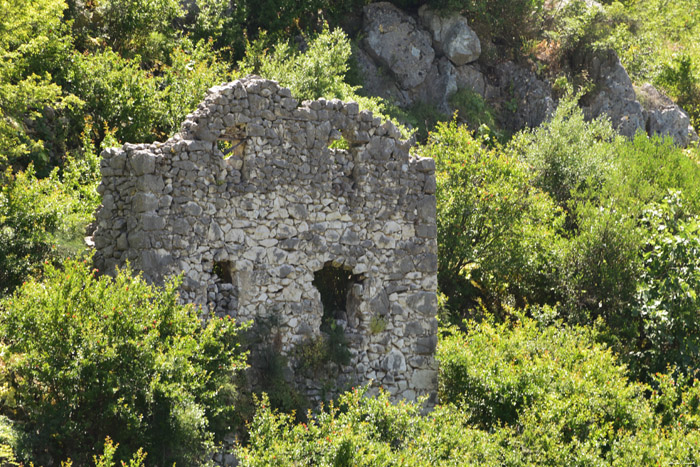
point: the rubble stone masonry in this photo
(253, 203)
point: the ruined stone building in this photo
(312, 217)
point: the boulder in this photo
(527, 100)
(470, 77)
(439, 85)
(664, 117)
(613, 92)
(394, 40)
(377, 80)
(451, 35)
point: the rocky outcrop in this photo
(470, 77)
(613, 94)
(378, 80)
(664, 117)
(527, 100)
(395, 41)
(452, 36)
(438, 86)
(408, 62)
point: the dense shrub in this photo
(86, 357)
(317, 72)
(567, 153)
(41, 220)
(497, 372)
(34, 45)
(495, 231)
(669, 291)
(519, 395)
(566, 397)
(362, 430)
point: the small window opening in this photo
(233, 142)
(339, 143)
(334, 284)
(224, 271)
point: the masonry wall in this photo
(249, 201)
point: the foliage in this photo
(118, 93)
(194, 69)
(143, 28)
(668, 289)
(472, 109)
(579, 24)
(87, 357)
(106, 459)
(494, 230)
(565, 396)
(680, 80)
(526, 393)
(318, 72)
(659, 45)
(498, 372)
(363, 430)
(567, 153)
(34, 45)
(40, 220)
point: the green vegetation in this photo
(518, 393)
(568, 256)
(85, 358)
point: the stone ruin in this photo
(310, 217)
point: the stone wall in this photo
(250, 203)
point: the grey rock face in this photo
(378, 81)
(249, 229)
(664, 117)
(451, 36)
(438, 86)
(529, 98)
(470, 77)
(613, 93)
(394, 40)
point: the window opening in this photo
(335, 284)
(224, 271)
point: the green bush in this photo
(669, 291)
(318, 72)
(359, 430)
(118, 94)
(495, 232)
(567, 153)
(680, 79)
(194, 69)
(599, 264)
(144, 28)
(40, 220)
(517, 394)
(552, 380)
(472, 109)
(35, 46)
(86, 357)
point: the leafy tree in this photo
(34, 45)
(495, 232)
(40, 220)
(86, 357)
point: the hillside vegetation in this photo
(569, 256)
